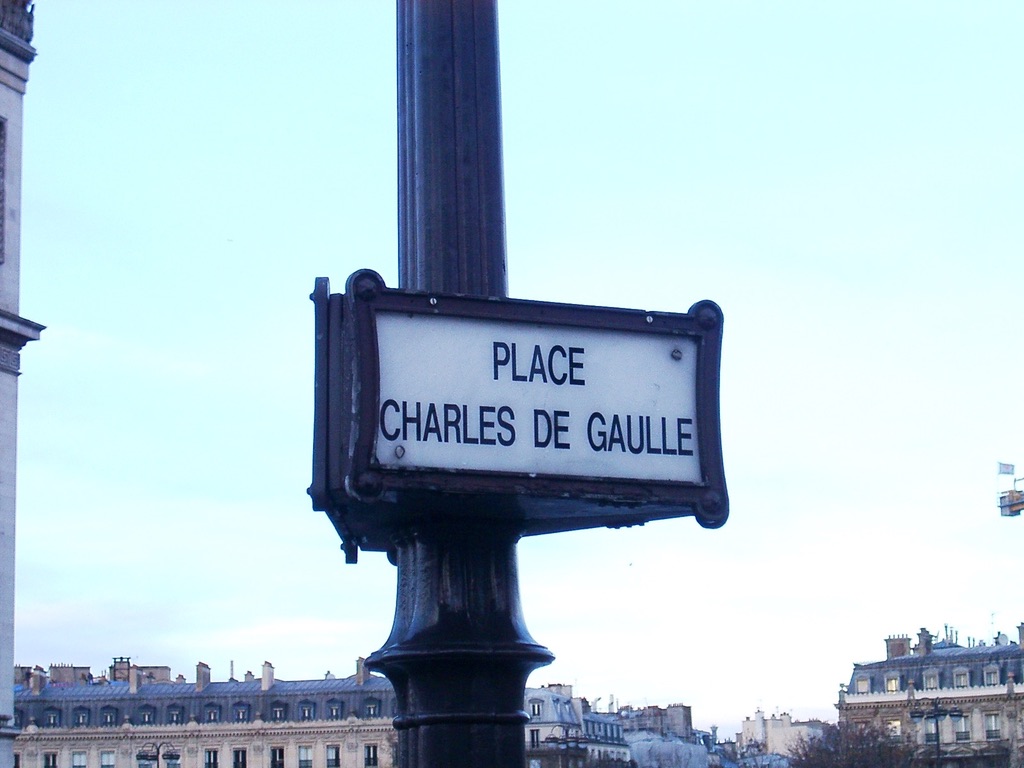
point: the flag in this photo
(1005, 469)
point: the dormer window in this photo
(892, 684)
(862, 685)
(931, 680)
(536, 707)
(991, 675)
(961, 678)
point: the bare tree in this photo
(851, 745)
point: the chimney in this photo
(119, 669)
(361, 674)
(202, 676)
(1020, 633)
(249, 676)
(924, 642)
(897, 646)
(37, 681)
(268, 676)
(133, 679)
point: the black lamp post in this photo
(935, 713)
(150, 754)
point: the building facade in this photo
(775, 735)
(955, 705)
(15, 331)
(564, 732)
(68, 719)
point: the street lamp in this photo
(935, 713)
(149, 756)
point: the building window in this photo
(81, 717)
(147, 716)
(992, 726)
(370, 755)
(373, 709)
(961, 679)
(210, 759)
(277, 757)
(175, 715)
(49, 760)
(306, 711)
(241, 713)
(107, 760)
(278, 712)
(931, 732)
(333, 756)
(78, 760)
(108, 716)
(212, 713)
(238, 757)
(863, 685)
(534, 738)
(892, 685)
(334, 710)
(51, 718)
(535, 708)
(962, 728)
(17, 760)
(305, 757)
(931, 681)
(895, 728)
(991, 677)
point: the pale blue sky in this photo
(846, 180)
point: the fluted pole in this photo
(459, 653)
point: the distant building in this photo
(563, 732)
(775, 735)
(958, 706)
(15, 331)
(675, 720)
(69, 719)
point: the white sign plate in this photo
(496, 396)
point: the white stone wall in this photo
(13, 77)
(193, 740)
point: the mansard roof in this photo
(947, 653)
(121, 690)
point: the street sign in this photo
(558, 416)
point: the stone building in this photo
(69, 719)
(564, 732)
(675, 720)
(15, 331)
(957, 706)
(775, 735)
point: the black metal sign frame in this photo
(365, 499)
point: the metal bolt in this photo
(433, 301)
(677, 354)
(650, 319)
(399, 451)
